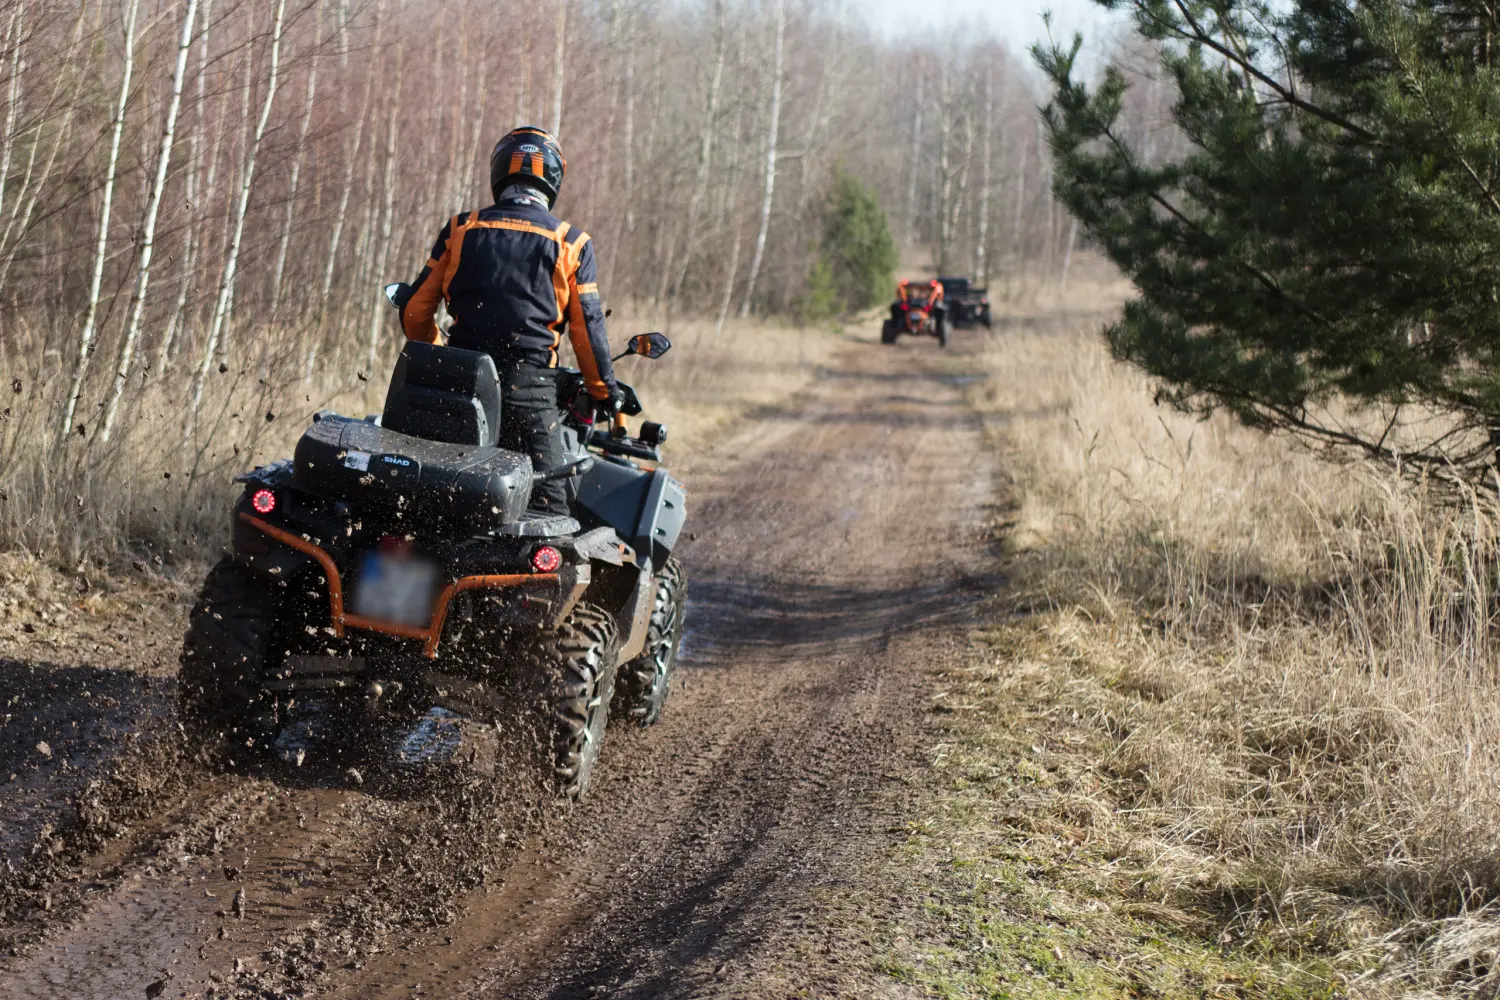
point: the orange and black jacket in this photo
(513, 276)
(931, 298)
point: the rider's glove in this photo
(616, 399)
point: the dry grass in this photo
(159, 494)
(1293, 663)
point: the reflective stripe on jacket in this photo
(513, 276)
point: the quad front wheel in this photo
(888, 332)
(646, 680)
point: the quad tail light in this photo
(264, 501)
(546, 559)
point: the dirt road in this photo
(837, 557)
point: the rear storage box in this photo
(344, 459)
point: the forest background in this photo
(200, 200)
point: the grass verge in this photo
(1235, 729)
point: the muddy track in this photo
(837, 555)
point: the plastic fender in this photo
(661, 520)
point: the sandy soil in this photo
(836, 556)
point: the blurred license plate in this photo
(397, 589)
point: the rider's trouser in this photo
(531, 422)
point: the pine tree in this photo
(857, 256)
(1325, 256)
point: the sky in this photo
(1017, 21)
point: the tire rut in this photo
(837, 545)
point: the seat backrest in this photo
(444, 394)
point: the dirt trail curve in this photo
(837, 553)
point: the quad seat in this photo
(341, 458)
(444, 394)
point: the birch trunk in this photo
(523, 94)
(291, 195)
(192, 239)
(1018, 246)
(961, 191)
(348, 184)
(817, 121)
(476, 152)
(945, 168)
(148, 227)
(453, 173)
(732, 215)
(91, 317)
(1067, 264)
(388, 183)
(559, 65)
(981, 241)
(629, 138)
(30, 194)
(231, 263)
(773, 128)
(914, 162)
(705, 151)
(12, 101)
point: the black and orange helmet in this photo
(528, 155)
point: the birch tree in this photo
(559, 65)
(773, 129)
(192, 239)
(96, 280)
(705, 151)
(388, 185)
(350, 159)
(231, 263)
(986, 141)
(297, 156)
(33, 186)
(148, 226)
(13, 99)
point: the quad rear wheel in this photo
(220, 702)
(646, 680)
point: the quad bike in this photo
(391, 566)
(915, 317)
(968, 305)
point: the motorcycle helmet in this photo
(528, 155)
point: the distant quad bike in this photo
(390, 567)
(967, 304)
(915, 314)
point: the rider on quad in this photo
(919, 310)
(512, 276)
(929, 298)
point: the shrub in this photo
(857, 257)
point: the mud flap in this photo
(635, 616)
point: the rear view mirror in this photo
(397, 293)
(650, 345)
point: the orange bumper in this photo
(432, 634)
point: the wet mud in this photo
(836, 551)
